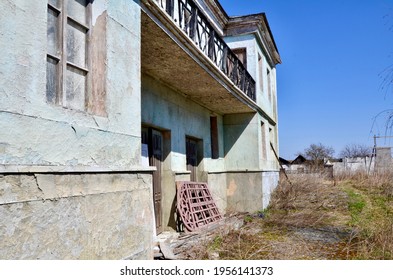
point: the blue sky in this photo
(334, 53)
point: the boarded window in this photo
(67, 68)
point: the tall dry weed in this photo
(306, 201)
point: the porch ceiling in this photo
(164, 60)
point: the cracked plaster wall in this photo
(38, 133)
(72, 215)
(87, 216)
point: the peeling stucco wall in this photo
(71, 181)
(108, 133)
(75, 216)
(244, 191)
(38, 141)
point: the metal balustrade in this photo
(187, 16)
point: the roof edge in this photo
(257, 24)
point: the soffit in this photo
(164, 60)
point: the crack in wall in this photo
(67, 123)
(37, 183)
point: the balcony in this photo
(171, 31)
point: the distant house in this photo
(284, 163)
(299, 160)
(299, 164)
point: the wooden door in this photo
(153, 138)
(192, 158)
(156, 160)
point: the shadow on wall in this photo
(234, 127)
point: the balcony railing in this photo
(187, 16)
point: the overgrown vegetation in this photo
(349, 218)
(372, 213)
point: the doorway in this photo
(154, 140)
(193, 155)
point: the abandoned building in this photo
(106, 104)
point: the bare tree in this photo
(355, 150)
(317, 153)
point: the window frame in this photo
(64, 20)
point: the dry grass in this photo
(311, 218)
(309, 202)
(374, 221)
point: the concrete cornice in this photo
(219, 11)
(258, 25)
